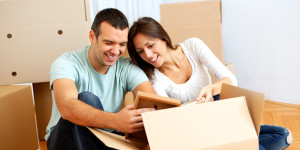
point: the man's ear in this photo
(92, 36)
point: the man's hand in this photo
(130, 120)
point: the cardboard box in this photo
(33, 36)
(146, 100)
(231, 123)
(17, 115)
(194, 19)
(43, 106)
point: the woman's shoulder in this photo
(192, 40)
(192, 45)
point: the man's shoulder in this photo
(124, 62)
(75, 54)
(125, 66)
(123, 59)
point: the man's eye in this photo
(108, 43)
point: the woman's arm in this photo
(216, 67)
(214, 89)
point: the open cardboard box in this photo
(147, 100)
(230, 123)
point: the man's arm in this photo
(135, 123)
(76, 111)
(80, 113)
(144, 87)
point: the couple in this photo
(89, 85)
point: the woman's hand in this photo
(206, 94)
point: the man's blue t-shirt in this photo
(111, 87)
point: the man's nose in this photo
(116, 49)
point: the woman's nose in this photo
(148, 53)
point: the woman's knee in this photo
(90, 99)
(272, 133)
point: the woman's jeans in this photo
(271, 137)
(69, 136)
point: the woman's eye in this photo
(150, 46)
(139, 52)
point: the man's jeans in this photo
(69, 136)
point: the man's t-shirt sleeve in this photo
(133, 75)
(62, 68)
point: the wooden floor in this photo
(285, 115)
(274, 113)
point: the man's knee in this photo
(90, 99)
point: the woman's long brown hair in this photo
(148, 27)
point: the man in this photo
(89, 86)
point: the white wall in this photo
(263, 38)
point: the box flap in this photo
(255, 101)
(221, 124)
(115, 141)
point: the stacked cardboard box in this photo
(18, 124)
(201, 19)
(34, 36)
(194, 19)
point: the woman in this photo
(181, 71)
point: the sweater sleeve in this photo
(213, 64)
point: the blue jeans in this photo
(273, 137)
(270, 137)
(69, 136)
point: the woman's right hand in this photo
(206, 94)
